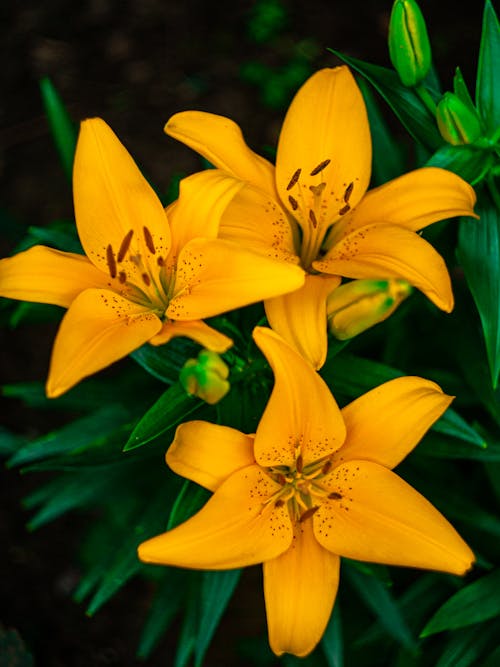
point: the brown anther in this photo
(146, 279)
(348, 192)
(149, 240)
(299, 463)
(125, 245)
(327, 467)
(312, 218)
(160, 261)
(317, 190)
(279, 503)
(308, 513)
(344, 209)
(281, 479)
(335, 496)
(110, 261)
(293, 202)
(122, 277)
(320, 167)
(294, 179)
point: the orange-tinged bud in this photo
(206, 377)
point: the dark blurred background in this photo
(135, 63)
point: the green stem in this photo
(426, 98)
(492, 186)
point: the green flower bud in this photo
(409, 47)
(359, 304)
(458, 123)
(205, 377)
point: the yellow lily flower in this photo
(149, 275)
(313, 484)
(313, 208)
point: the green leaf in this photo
(191, 498)
(478, 252)
(487, 89)
(475, 603)
(10, 442)
(170, 409)
(460, 89)
(447, 448)
(468, 161)
(332, 642)
(165, 361)
(493, 660)
(464, 649)
(63, 129)
(405, 103)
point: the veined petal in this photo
(234, 529)
(388, 251)
(197, 330)
(99, 328)
(300, 317)
(415, 200)
(221, 142)
(45, 275)
(326, 135)
(203, 197)
(113, 199)
(386, 423)
(300, 587)
(257, 221)
(214, 276)
(208, 453)
(375, 516)
(301, 417)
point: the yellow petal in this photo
(300, 587)
(45, 275)
(214, 276)
(300, 317)
(386, 423)
(208, 453)
(301, 416)
(388, 251)
(257, 221)
(326, 134)
(203, 197)
(220, 141)
(234, 529)
(99, 328)
(112, 198)
(382, 519)
(197, 330)
(415, 200)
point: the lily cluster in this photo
(324, 254)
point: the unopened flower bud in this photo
(205, 377)
(457, 122)
(359, 304)
(409, 47)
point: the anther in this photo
(293, 202)
(149, 240)
(320, 167)
(294, 179)
(312, 218)
(299, 463)
(146, 279)
(344, 209)
(279, 503)
(327, 467)
(125, 245)
(348, 192)
(281, 479)
(110, 261)
(160, 261)
(308, 513)
(335, 496)
(122, 277)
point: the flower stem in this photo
(426, 98)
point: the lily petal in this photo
(112, 198)
(221, 142)
(208, 453)
(415, 200)
(214, 276)
(388, 251)
(301, 415)
(326, 126)
(234, 528)
(300, 587)
(386, 423)
(99, 328)
(375, 516)
(197, 330)
(301, 317)
(45, 275)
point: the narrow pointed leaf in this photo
(465, 649)
(487, 89)
(332, 642)
(468, 161)
(63, 128)
(191, 498)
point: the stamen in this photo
(344, 209)
(335, 496)
(308, 513)
(348, 192)
(149, 240)
(279, 503)
(312, 218)
(293, 202)
(160, 261)
(281, 479)
(110, 261)
(294, 179)
(299, 463)
(327, 467)
(125, 246)
(122, 277)
(320, 167)
(146, 279)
